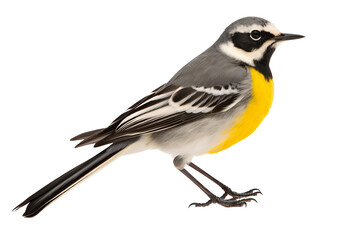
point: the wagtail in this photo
(216, 100)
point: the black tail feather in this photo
(86, 134)
(39, 200)
(91, 137)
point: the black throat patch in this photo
(263, 64)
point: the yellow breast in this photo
(248, 120)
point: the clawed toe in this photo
(251, 193)
(233, 202)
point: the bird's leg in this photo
(213, 198)
(234, 202)
(227, 190)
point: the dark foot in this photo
(224, 202)
(227, 191)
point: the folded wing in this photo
(165, 108)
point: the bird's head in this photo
(252, 41)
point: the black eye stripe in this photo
(246, 42)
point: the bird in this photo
(216, 100)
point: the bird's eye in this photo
(255, 35)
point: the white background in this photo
(71, 66)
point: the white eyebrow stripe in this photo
(246, 29)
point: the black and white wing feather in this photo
(165, 108)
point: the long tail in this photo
(39, 200)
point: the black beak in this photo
(287, 36)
